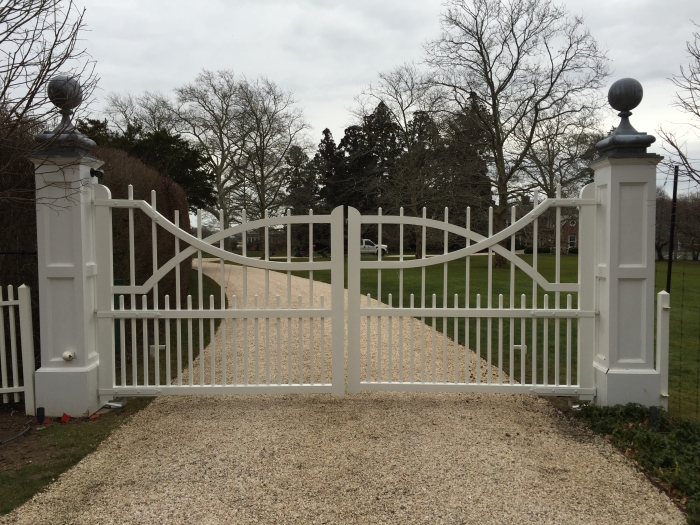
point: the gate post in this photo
(338, 302)
(354, 343)
(625, 188)
(67, 380)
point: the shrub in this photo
(121, 170)
(667, 448)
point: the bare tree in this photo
(688, 101)
(209, 111)
(273, 125)
(525, 63)
(439, 157)
(561, 150)
(412, 102)
(404, 90)
(38, 40)
(148, 112)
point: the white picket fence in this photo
(13, 310)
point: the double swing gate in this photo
(505, 329)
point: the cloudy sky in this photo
(326, 52)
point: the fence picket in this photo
(3, 348)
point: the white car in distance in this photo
(368, 246)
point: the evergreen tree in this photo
(168, 153)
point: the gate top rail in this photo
(207, 244)
(481, 242)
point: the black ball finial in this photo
(65, 92)
(625, 94)
(625, 141)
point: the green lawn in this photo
(684, 359)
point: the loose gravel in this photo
(363, 458)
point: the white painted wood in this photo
(27, 344)
(67, 270)
(586, 298)
(144, 334)
(663, 326)
(353, 328)
(523, 347)
(624, 364)
(3, 349)
(186, 390)
(278, 322)
(391, 346)
(478, 341)
(190, 357)
(168, 370)
(17, 309)
(212, 347)
(434, 340)
(222, 299)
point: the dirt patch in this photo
(25, 449)
(37, 457)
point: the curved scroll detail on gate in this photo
(481, 242)
(207, 244)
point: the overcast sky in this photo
(326, 52)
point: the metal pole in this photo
(673, 229)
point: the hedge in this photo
(121, 170)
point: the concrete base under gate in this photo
(69, 390)
(622, 386)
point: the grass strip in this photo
(58, 447)
(667, 449)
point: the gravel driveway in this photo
(365, 458)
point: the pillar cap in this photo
(65, 141)
(625, 141)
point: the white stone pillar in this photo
(67, 380)
(625, 188)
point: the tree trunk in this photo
(660, 252)
(499, 223)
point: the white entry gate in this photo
(533, 335)
(267, 343)
(528, 340)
